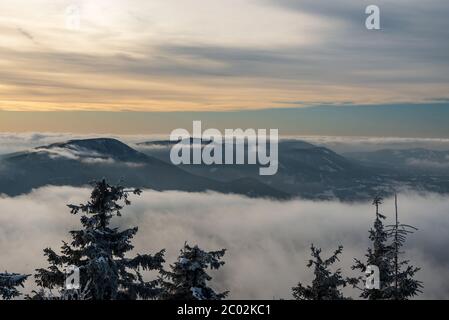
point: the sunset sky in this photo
(196, 55)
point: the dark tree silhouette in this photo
(188, 278)
(99, 251)
(9, 283)
(404, 285)
(396, 276)
(326, 284)
(380, 255)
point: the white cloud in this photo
(220, 55)
(423, 163)
(15, 142)
(79, 154)
(360, 143)
(137, 21)
(267, 241)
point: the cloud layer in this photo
(366, 144)
(16, 142)
(267, 241)
(192, 55)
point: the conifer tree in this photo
(61, 294)
(404, 286)
(381, 256)
(188, 278)
(326, 284)
(99, 251)
(9, 283)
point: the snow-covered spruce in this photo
(326, 284)
(61, 294)
(405, 286)
(380, 255)
(99, 252)
(9, 283)
(188, 279)
(396, 277)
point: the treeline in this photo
(394, 278)
(98, 253)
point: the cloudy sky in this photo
(151, 55)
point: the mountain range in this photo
(77, 162)
(305, 170)
(419, 160)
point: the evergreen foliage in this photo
(326, 284)
(187, 279)
(9, 283)
(396, 277)
(99, 251)
(404, 286)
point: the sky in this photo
(425, 120)
(215, 56)
(306, 67)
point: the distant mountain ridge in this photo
(305, 170)
(77, 162)
(102, 146)
(169, 143)
(418, 159)
(315, 172)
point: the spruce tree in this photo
(404, 286)
(61, 294)
(326, 284)
(99, 251)
(9, 283)
(381, 256)
(188, 278)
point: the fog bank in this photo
(268, 241)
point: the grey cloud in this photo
(411, 50)
(346, 10)
(349, 55)
(400, 14)
(267, 241)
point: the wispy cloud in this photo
(15, 142)
(357, 144)
(192, 55)
(26, 34)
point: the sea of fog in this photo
(267, 241)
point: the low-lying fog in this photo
(268, 241)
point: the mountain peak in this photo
(104, 147)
